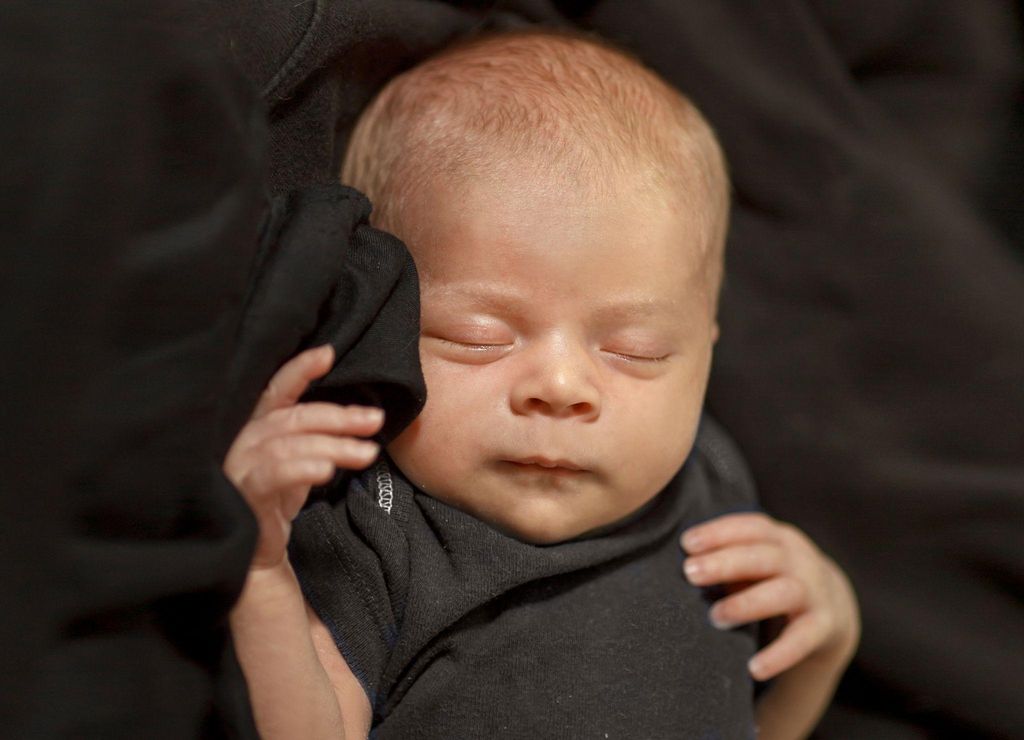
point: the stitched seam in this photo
(296, 54)
(385, 486)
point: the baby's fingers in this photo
(799, 639)
(730, 529)
(267, 482)
(740, 563)
(294, 377)
(771, 598)
(313, 418)
(343, 452)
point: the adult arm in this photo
(131, 204)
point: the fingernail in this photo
(692, 568)
(691, 541)
(717, 622)
(374, 415)
(755, 667)
(363, 413)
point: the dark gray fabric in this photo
(133, 156)
(459, 631)
(131, 202)
(318, 64)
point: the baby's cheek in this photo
(429, 451)
(665, 430)
(420, 458)
(467, 395)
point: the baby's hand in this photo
(774, 570)
(287, 447)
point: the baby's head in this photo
(566, 209)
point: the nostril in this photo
(581, 408)
(536, 404)
(540, 406)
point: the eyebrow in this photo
(636, 307)
(498, 297)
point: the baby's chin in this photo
(547, 533)
(542, 513)
(532, 522)
(534, 525)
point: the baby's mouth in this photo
(546, 465)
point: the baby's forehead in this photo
(518, 217)
(541, 190)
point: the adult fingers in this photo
(771, 598)
(746, 562)
(294, 377)
(730, 529)
(798, 640)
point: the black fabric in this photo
(324, 276)
(133, 158)
(459, 631)
(131, 201)
(319, 63)
(873, 339)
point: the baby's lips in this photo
(547, 462)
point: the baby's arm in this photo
(774, 570)
(299, 684)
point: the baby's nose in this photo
(557, 407)
(561, 386)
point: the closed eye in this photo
(473, 346)
(469, 352)
(638, 358)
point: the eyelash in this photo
(637, 358)
(481, 347)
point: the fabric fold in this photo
(324, 276)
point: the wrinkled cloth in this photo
(456, 630)
(324, 276)
(132, 159)
(319, 63)
(145, 309)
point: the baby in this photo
(512, 566)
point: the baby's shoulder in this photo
(729, 477)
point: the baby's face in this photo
(566, 342)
